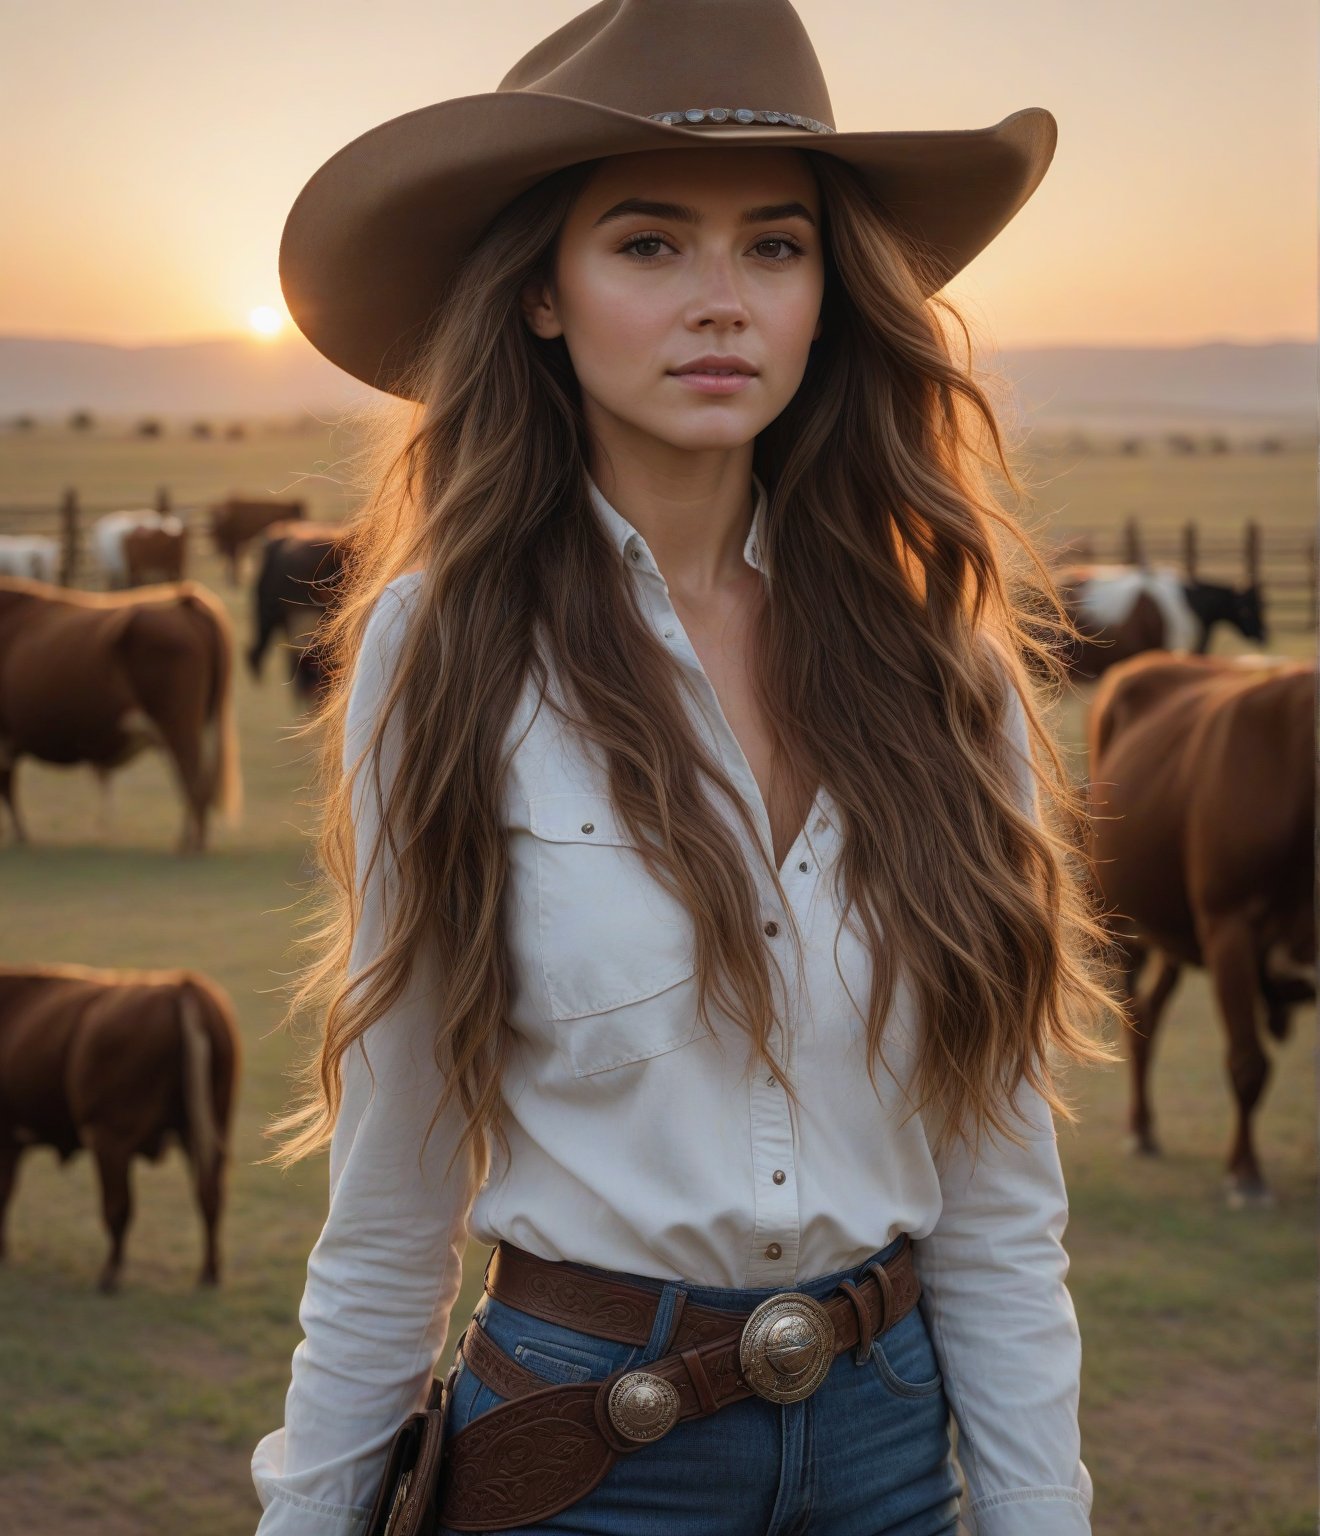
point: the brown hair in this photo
(909, 605)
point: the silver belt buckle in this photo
(643, 1407)
(787, 1347)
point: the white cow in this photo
(30, 554)
(108, 538)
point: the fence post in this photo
(68, 537)
(1132, 542)
(1314, 552)
(1251, 551)
(1189, 549)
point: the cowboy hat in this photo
(378, 230)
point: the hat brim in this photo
(378, 230)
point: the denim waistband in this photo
(738, 1299)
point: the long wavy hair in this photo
(909, 602)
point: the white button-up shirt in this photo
(639, 1143)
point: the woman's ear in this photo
(539, 310)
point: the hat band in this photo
(740, 115)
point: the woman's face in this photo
(726, 260)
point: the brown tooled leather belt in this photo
(547, 1446)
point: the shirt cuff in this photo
(287, 1513)
(1049, 1511)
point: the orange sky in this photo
(154, 148)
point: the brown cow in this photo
(155, 552)
(125, 1064)
(96, 677)
(236, 522)
(1202, 791)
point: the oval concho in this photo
(643, 1407)
(787, 1347)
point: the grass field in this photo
(138, 1413)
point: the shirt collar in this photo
(633, 547)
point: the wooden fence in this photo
(1282, 561)
(68, 520)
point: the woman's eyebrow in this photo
(680, 213)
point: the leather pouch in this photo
(406, 1502)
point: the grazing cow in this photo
(157, 553)
(29, 554)
(300, 568)
(125, 1064)
(235, 523)
(108, 534)
(1123, 610)
(1202, 790)
(96, 677)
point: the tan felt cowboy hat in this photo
(374, 235)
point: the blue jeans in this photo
(867, 1454)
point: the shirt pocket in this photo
(617, 950)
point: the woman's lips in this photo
(715, 383)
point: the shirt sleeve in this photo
(385, 1271)
(993, 1273)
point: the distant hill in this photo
(1109, 387)
(229, 375)
(1124, 387)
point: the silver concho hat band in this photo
(740, 115)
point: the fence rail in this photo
(67, 519)
(1283, 562)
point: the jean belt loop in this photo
(667, 1313)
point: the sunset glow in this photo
(265, 320)
(1186, 216)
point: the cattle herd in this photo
(1201, 780)
(125, 1063)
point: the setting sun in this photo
(266, 320)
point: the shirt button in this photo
(772, 1081)
(669, 634)
(773, 1251)
(635, 554)
(772, 929)
(803, 866)
(588, 826)
(779, 1175)
(820, 824)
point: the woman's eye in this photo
(631, 246)
(791, 246)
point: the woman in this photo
(695, 910)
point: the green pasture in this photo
(138, 1413)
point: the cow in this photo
(296, 584)
(96, 677)
(109, 532)
(236, 522)
(29, 554)
(1201, 849)
(155, 552)
(1123, 610)
(125, 1064)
